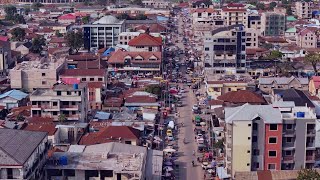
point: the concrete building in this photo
(13, 98)
(145, 43)
(254, 21)
(234, 14)
(218, 88)
(307, 38)
(226, 48)
(273, 24)
(206, 19)
(69, 100)
(162, 4)
(103, 33)
(22, 154)
(30, 75)
(303, 9)
(267, 84)
(106, 161)
(84, 75)
(252, 38)
(125, 37)
(5, 57)
(269, 137)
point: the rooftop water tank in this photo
(300, 114)
(63, 160)
(75, 86)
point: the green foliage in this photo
(313, 59)
(20, 118)
(85, 19)
(308, 174)
(75, 40)
(289, 11)
(10, 12)
(37, 44)
(19, 19)
(62, 118)
(141, 17)
(274, 55)
(154, 89)
(58, 34)
(137, 2)
(284, 68)
(219, 144)
(36, 6)
(18, 34)
(260, 6)
(272, 5)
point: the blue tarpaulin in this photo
(108, 52)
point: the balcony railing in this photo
(70, 106)
(288, 158)
(310, 158)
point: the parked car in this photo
(170, 137)
(195, 107)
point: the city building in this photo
(95, 99)
(252, 38)
(273, 24)
(218, 88)
(22, 154)
(69, 100)
(125, 37)
(267, 84)
(240, 97)
(307, 38)
(157, 4)
(135, 62)
(106, 161)
(314, 86)
(280, 136)
(5, 57)
(201, 4)
(84, 75)
(103, 33)
(303, 9)
(30, 75)
(145, 43)
(234, 14)
(13, 98)
(206, 19)
(226, 48)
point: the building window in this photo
(289, 127)
(272, 140)
(99, 79)
(43, 74)
(68, 93)
(54, 103)
(83, 79)
(254, 138)
(248, 164)
(271, 166)
(206, 49)
(249, 125)
(58, 93)
(44, 82)
(273, 127)
(288, 153)
(248, 151)
(272, 153)
(91, 79)
(289, 139)
(256, 152)
(256, 165)
(54, 113)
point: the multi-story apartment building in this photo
(157, 4)
(125, 37)
(145, 43)
(234, 14)
(22, 154)
(307, 38)
(303, 9)
(252, 38)
(273, 24)
(5, 57)
(267, 84)
(30, 75)
(69, 100)
(85, 75)
(103, 33)
(226, 47)
(269, 137)
(206, 19)
(254, 21)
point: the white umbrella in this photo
(169, 150)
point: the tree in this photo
(19, 19)
(141, 17)
(260, 6)
(313, 59)
(154, 89)
(219, 144)
(75, 40)
(20, 118)
(275, 55)
(18, 34)
(137, 2)
(272, 5)
(308, 174)
(62, 118)
(10, 12)
(37, 44)
(85, 19)
(123, 16)
(58, 34)
(36, 6)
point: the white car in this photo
(170, 138)
(182, 90)
(195, 107)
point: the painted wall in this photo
(273, 147)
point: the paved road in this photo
(187, 171)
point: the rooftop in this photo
(242, 96)
(19, 145)
(16, 94)
(108, 20)
(83, 72)
(145, 40)
(42, 63)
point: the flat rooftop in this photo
(41, 63)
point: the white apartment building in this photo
(30, 75)
(103, 33)
(235, 13)
(303, 9)
(69, 100)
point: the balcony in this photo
(69, 107)
(310, 146)
(289, 133)
(311, 133)
(288, 159)
(310, 159)
(73, 117)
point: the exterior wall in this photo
(48, 1)
(144, 48)
(5, 58)
(308, 40)
(312, 89)
(252, 38)
(94, 98)
(267, 88)
(89, 78)
(258, 148)
(9, 102)
(215, 90)
(303, 10)
(273, 24)
(273, 147)
(235, 17)
(241, 146)
(157, 4)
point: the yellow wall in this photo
(240, 146)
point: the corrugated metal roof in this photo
(16, 94)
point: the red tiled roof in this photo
(67, 17)
(215, 102)
(70, 80)
(154, 28)
(140, 99)
(201, 10)
(119, 57)
(145, 40)
(241, 96)
(57, 40)
(105, 134)
(83, 72)
(235, 5)
(113, 102)
(255, 50)
(49, 128)
(223, 82)
(307, 30)
(39, 120)
(95, 84)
